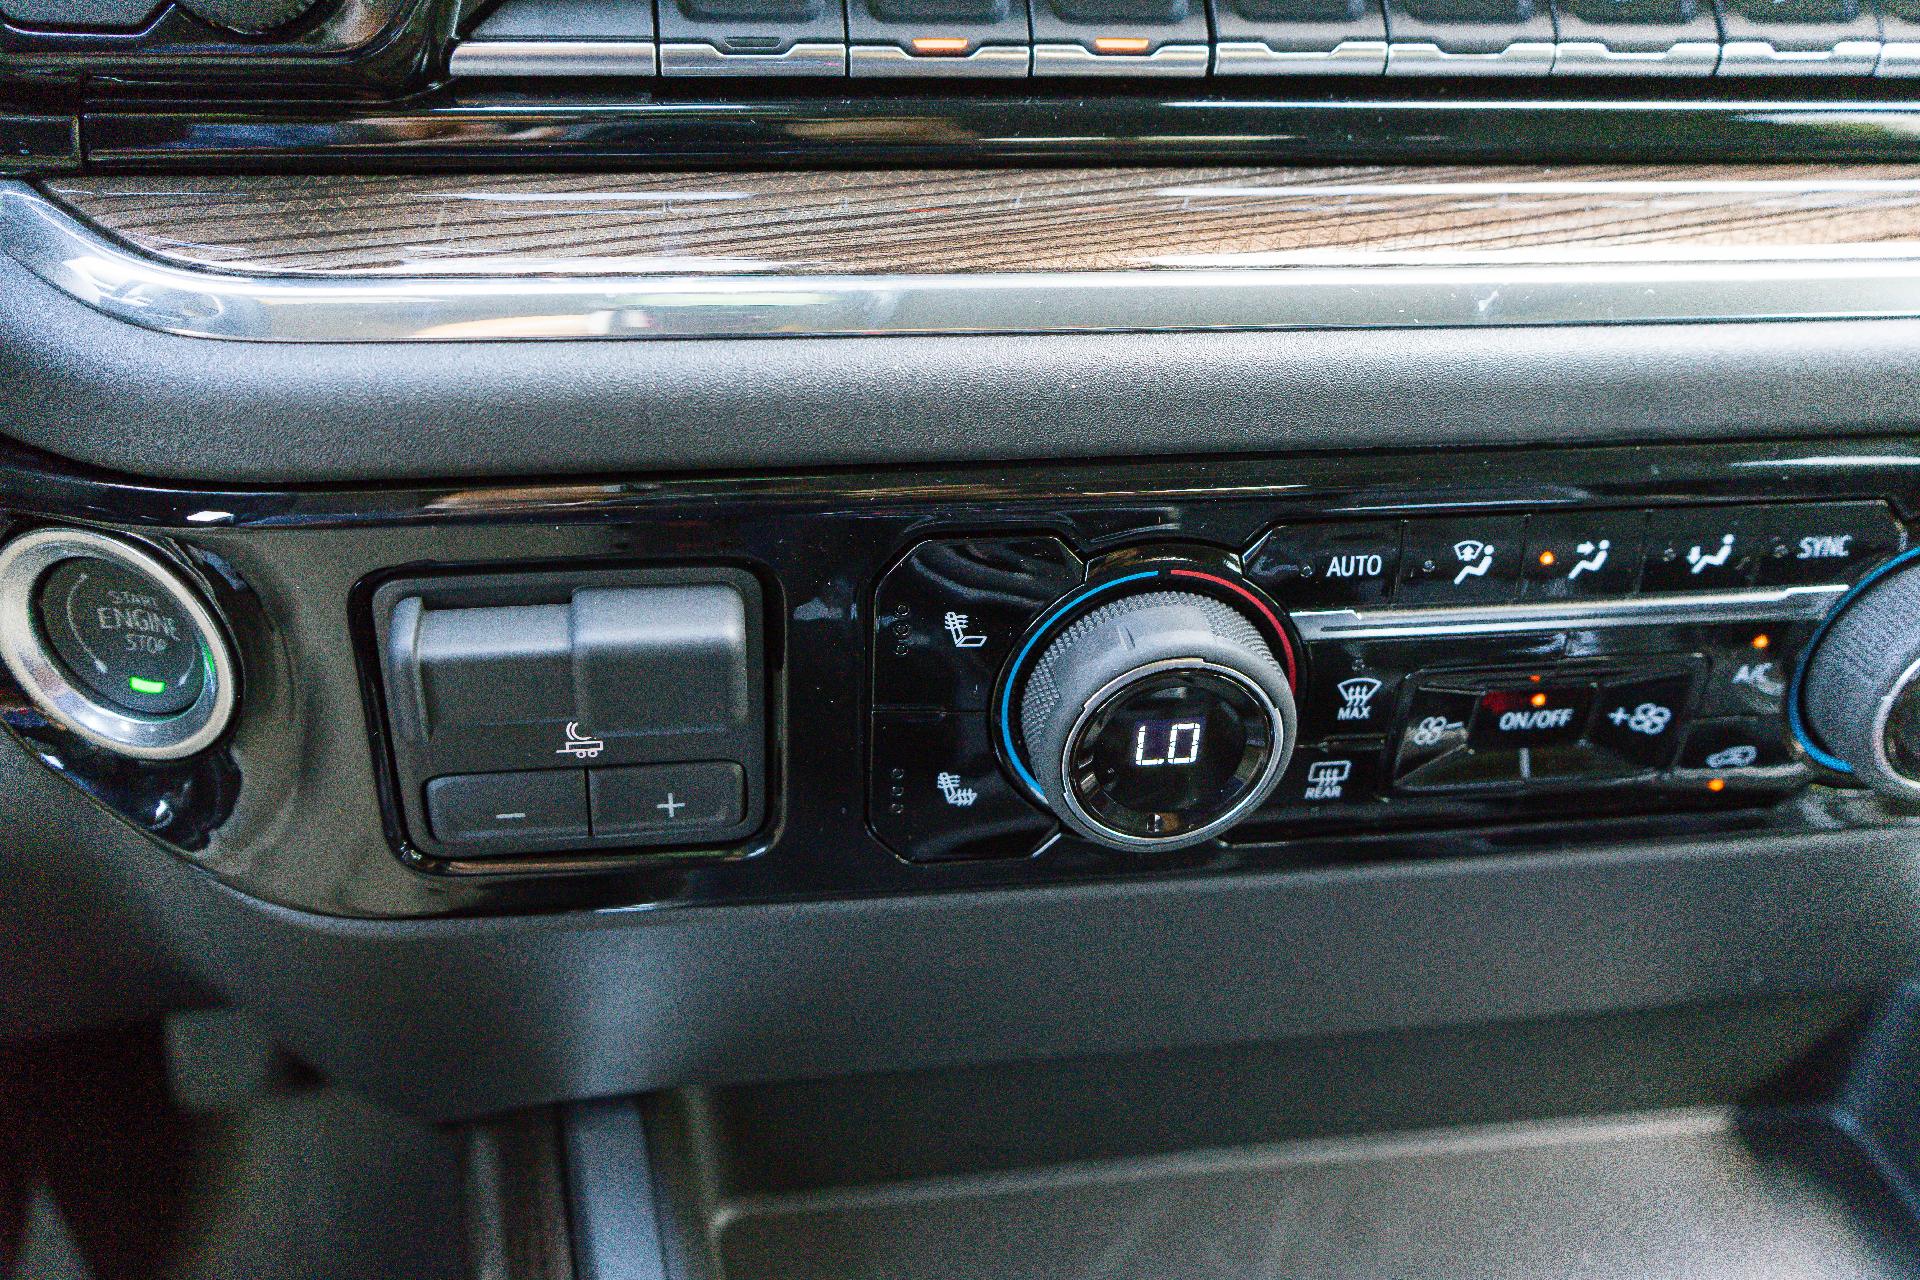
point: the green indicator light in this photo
(141, 685)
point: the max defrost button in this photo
(937, 792)
(546, 804)
(667, 803)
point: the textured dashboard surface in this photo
(994, 220)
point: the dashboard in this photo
(797, 558)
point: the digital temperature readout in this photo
(1166, 742)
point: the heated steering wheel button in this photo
(122, 636)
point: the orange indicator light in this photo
(1538, 699)
(1717, 784)
(1547, 558)
(1762, 640)
(1120, 44)
(1535, 679)
(940, 46)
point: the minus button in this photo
(510, 809)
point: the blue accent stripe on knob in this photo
(1795, 721)
(1013, 672)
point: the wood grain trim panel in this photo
(1003, 220)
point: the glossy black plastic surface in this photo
(1288, 121)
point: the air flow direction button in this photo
(1467, 560)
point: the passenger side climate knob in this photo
(1859, 701)
(1157, 721)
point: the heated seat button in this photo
(1639, 720)
(1329, 565)
(1636, 37)
(1120, 37)
(1529, 715)
(923, 38)
(1702, 549)
(515, 809)
(1579, 555)
(1799, 37)
(1470, 37)
(1826, 542)
(667, 803)
(946, 617)
(1470, 560)
(752, 37)
(937, 792)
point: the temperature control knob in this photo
(1157, 721)
(1860, 695)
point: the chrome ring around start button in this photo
(24, 562)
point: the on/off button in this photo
(1530, 715)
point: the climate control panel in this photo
(1340, 674)
(787, 688)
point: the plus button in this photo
(670, 806)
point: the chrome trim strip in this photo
(76, 259)
(1761, 58)
(1785, 604)
(805, 58)
(1253, 58)
(1899, 59)
(1424, 58)
(1076, 60)
(1594, 58)
(999, 61)
(554, 58)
